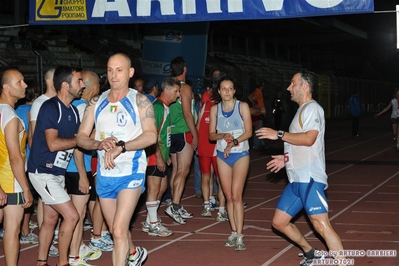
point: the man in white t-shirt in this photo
(304, 160)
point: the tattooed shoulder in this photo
(94, 100)
(145, 105)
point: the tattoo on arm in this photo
(143, 103)
(92, 101)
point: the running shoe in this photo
(138, 258)
(1, 234)
(106, 237)
(53, 251)
(185, 214)
(231, 240)
(87, 225)
(222, 217)
(30, 238)
(245, 205)
(100, 244)
(33, 225)
(89, 253)
(308, 261)
(77, 261)
(214, 205)
(240, 242)
(159, 230)
(206, 212)
(175, 215)
(146, 226)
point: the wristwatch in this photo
(121, 143)
(280, 134)
(235, 141)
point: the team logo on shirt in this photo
(49, 164)
(121, 118)
(69, 118)
(113, 108)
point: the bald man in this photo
(14, 187)
(125, 125)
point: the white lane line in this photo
(368, 232)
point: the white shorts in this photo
(51, 188)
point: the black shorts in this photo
(15, 198)
(179, 141)
(152, 170)
(72, 184)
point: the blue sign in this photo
(52, 12)
(166, 41)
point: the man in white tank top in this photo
(125, 125)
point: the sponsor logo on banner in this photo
(164, 35)
(156, 68)
(61, 10)
(152, 11)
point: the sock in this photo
(175, 206)
(206, 204)
(103, 233)
(152, 208)
(309, 254)
(221, 210)
(212, 199)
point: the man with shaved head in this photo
(14, 187)
(125, 125)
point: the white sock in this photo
(152, 208)
(221, 210)
(206, 204)
(212, 199)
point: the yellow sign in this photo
(61, 10)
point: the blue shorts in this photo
(233, 157)
(109, 187)
(297, 196)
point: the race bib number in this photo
(62, 158)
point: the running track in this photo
(363, 197)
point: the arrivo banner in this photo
(52, 12)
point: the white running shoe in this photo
(53, 251)
(77, 261)
(185, 214)
(175, 215)
(89, 253)
(30, 238)
(159, 230)
(138, 258)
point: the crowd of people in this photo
(80, 150)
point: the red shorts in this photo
(205, 164)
